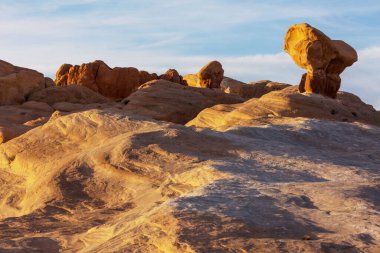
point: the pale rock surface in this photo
(323, 59)
(252, 89)
(168, 101)
(111, 181)
(288, 102)
(17, 83)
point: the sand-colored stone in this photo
(211, 75)
(323, 59)
(250, 90)
(191, 80)
(277, 105)
(17, 83)
(83, 181)
(164, 100)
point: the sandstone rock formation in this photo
(17, 83)
(211, 75)
(250, 90)
(323, 58)
(164, 100)
(113, 83)
(279, 105)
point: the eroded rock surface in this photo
(84, 181)
(323, 59)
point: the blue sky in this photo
(246, 36)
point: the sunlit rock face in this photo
(323, 59)
(17, 83)
(110, 82)
(172, 75)
(211, 75)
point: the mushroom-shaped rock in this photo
(211, 75)
(324, 59)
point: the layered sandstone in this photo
(323, 59)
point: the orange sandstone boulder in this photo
(110, 82)
(323, 59)
(211, 75)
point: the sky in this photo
(246, 36)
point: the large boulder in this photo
(168, 101)
(285, 104)
(252, 89)
(17, 83)
(323, 59)
(211, 75)
(191, 80)
(114, 83)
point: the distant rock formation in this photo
(17, 83)
(250, 90)
(210, 76)
(172, 75)
(113, 83)
(323, 58)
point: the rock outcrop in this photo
(324, 59)
(252, 89)
(191, 80)
(211, 75)
(114, 83)
(164, 100)
(287, 103)
(17, 83)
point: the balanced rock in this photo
(211, 75)
(98, 76)
(17, 83)
(324, 59)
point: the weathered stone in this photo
(324, 59)
(211, 75)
